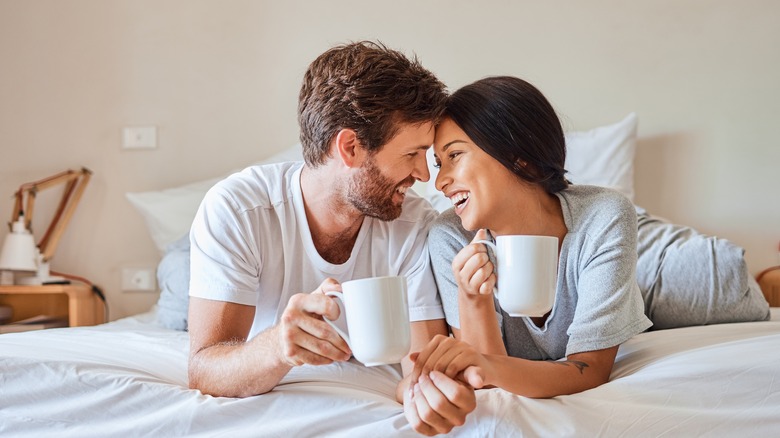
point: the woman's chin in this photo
(469, 224)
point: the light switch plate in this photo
(139, 137)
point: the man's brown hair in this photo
(366, 87)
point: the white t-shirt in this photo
(251, 245)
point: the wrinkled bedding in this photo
(128, 378)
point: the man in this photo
(262, 239)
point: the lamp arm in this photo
(76, 181)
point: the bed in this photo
(129, 378)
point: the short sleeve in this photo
(223, 266)
(424, 301)
(609, 308)
(445, 239)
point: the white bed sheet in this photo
(128, 378)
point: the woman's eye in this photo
(453, 155)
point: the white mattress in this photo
(129, 378)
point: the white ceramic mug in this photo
(527, 273)
(377, 313)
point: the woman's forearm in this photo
(478, 323)
(545, 379)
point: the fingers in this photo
(413, 417)
(328, 285)
(331, 309)
(474, 376)
(439, 404)
(472, 267)
(476, 271)
(421, 360)
(425, 411)
(307, 339)
(480, 235)
(460, 395)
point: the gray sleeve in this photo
(445, 239)
(609, 308)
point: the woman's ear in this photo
(348, 148)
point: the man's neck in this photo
(334, 224)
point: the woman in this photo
(501, 153)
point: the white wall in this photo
(220, 80)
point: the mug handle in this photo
(495, 252)
(340, 300)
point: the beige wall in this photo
(220, 80)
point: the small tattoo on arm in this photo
(579, 364)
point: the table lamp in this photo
(20, 253)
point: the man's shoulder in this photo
(258, 186)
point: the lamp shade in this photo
(19, 250)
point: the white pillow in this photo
(602, 156)
(168, 213)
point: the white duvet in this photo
(128, 378)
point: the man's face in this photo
(379, 188)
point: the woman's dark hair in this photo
(366, 87)
(513, 122)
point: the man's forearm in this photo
(239, 369)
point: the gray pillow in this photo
(688, 278)
(173, 276)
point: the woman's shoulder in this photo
(447, 227)
(585, 207)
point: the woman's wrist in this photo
(479, 300)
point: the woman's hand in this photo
(473, 271)
(455, 359)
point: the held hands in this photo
(304, 338)
(443, 379)
(455, 359)
(436, 403)
(474, 272)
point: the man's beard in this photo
(371, 193)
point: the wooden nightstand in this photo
(769, 280)
(75, 302)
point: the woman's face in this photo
(481, 189)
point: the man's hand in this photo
(304, 337)
(436, 404)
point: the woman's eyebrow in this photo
(444, 148)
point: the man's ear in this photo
(348, 148)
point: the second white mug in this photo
(527, 273)
(377, 314)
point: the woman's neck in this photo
(536, 212)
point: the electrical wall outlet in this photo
(138, 279)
